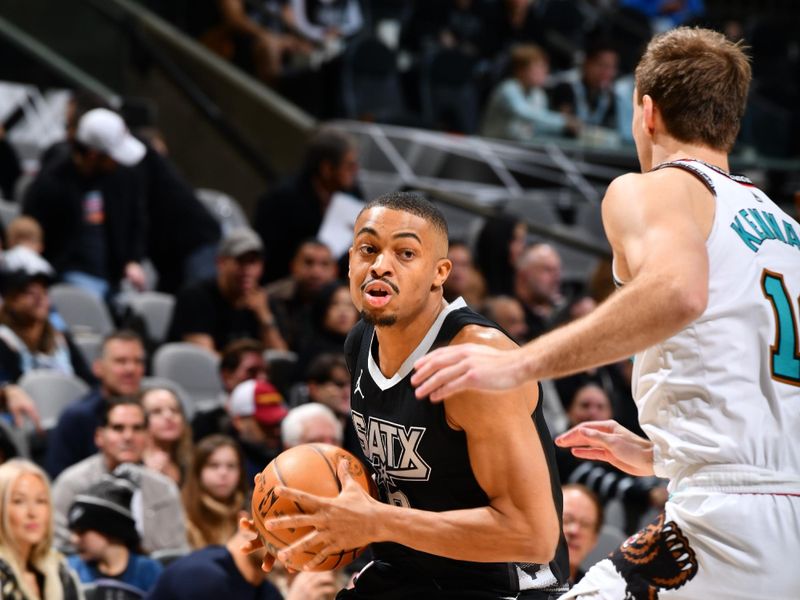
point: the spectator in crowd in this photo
(518, 109)
(461, 24)
(590, 403)
(181, 255)
(309, 424)
(293, 211)
(333, 315)
(93, 224)
(29, 567)
(105, 537)
(324, 21)
(25, 231)
(79, 103)
(240, 360)
(582, 521)
(666, 14)
(464, 280)
(121, 438)
(538, 286)
(291, 298)
(217, 572)
(591, 97)
(214, 491)
(513, 22)
(169, 439)
(28, 340)
(507, 312)
(226, 28)
(257, 409)
(232, 305)
(501, 242)
(119, 369)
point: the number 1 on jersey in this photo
(785, 357)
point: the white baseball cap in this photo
(105, 131)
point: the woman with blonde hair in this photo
(169, 445)
(30, 569)
(214, 490)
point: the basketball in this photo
(310, 468)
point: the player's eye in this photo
(366, 249)
(407, 254)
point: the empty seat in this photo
(52, 392)
(8, 212)
(82, 311)
(608, 540)
(195, 369)
(223, 208)
(89, 345)
(155, 309)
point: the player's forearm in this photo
(645, 312)
(479, 534)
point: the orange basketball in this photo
(311, 468)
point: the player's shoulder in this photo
(475, 333)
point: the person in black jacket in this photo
(182, 236)
(294, 210)
(93, 223)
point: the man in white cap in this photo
(93, 223)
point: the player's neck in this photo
(397, 342)
(673, 150)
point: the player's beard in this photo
(386, 321)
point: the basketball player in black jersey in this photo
(470, 500)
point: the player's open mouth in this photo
(377, 294)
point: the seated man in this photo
(312, 268)
(121, 438)
(256, 409)
(241, 360)
(232, 305)
(119, 368)
(311, 423)
(582, 522)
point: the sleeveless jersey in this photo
(421, 462)
(721, 398)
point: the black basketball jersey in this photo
(421, 462)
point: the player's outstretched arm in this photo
(519, 524)
(612, 443)
(653, 228)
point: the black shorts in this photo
(381, 582)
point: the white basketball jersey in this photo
(721, 399)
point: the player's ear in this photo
(648, 114)
(443, 268)
(349, 259)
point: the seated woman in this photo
(169, 444)
(213, 492)
(30, 569)
(333, 315)
(518, 107)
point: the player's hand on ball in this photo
(612, 443)
(254, 543)
(341, 523)
(453, 369)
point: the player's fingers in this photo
(591, 453)
(455, 385)
(252, 546)
(297, 549)
(267, 563)
(343, 471)
(308, 501)
(319, 558)
(437, 383)
(290, 522)
(248, 525)
(431, 364)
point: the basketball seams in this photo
(330, 465)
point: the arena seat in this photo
(155, 309)
(52, 392)
(82, 311)
(223, 208)
(193, 368)
(608, 540)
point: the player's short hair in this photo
(524, 55)
(414, 203)
(699, 81)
